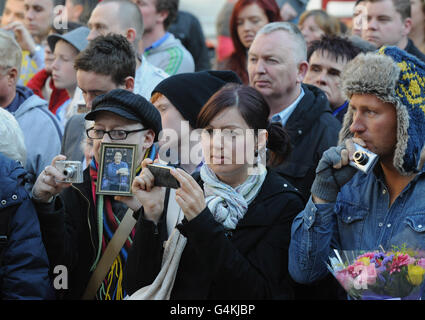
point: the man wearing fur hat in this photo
(352, 210)
(77, 223)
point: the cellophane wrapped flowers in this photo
(378, 275)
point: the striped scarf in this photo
(228, 205)
(109, 216)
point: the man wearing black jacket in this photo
(277, 65)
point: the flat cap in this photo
(129, 106)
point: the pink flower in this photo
(421, 262)
(371, 274)
(398, 262)
(345, 279)
(366, 276)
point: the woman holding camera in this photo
(233, 238)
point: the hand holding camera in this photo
(54, 178)
(338, 165)
(150, 196)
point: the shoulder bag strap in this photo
(111, 252)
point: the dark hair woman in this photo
(233, 237)
(248, 16)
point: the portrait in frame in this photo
(116, 169)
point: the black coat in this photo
(312, 129)
(413, 50)
(71, 235)
(251, 263)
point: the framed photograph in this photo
(116, 169)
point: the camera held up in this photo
(363, 159)
(72, 170)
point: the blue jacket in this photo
(360, 219)
(24, 265)
(42, 132)
(112, 175)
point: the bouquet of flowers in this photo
(375, 275)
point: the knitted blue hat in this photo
(396, 77)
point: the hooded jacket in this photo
(24, 265)
(42, 133)
(169, 54)
(312, 129)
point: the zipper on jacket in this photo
(88, 219)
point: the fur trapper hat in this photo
(396, 77)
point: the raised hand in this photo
(190, 196)
(149, 195)
(49, 182)
(333, 171)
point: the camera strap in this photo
(112, 250)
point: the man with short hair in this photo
(327, 58)
(116, 17)
(277, 65)
(106, 64)
(13, 11)
(122, 17)
(389, 23)
(353, 210)
(31, 32)
(42, 131)
(161, 48)
(69, 216)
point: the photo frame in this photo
(117, 168)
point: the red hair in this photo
(237, 61)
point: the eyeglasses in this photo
(93, 133)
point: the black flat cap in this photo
(129, 106)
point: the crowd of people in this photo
(258, 136)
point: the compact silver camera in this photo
(363, 159)
(72, 170)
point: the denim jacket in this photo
(360, 219)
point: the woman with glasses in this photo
(233, 238)
(77, 224)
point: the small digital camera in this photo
(72, 170)
(363, 159)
